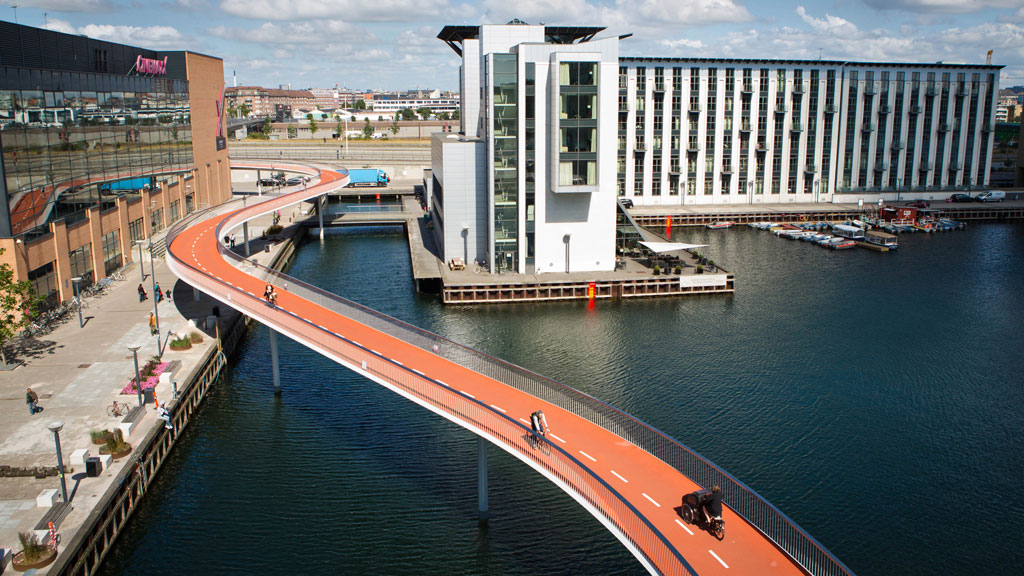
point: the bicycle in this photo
(117, 275)
(118, 408)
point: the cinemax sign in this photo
(148, 66)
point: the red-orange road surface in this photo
(633, 493)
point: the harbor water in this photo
(875, 398)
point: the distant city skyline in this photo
(392, 45)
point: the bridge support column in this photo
(274, 365)
(245, 236)
(481, 477)
(320, 210)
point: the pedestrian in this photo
(273, 297)
(168, 294)
(232, 241)
(31, 398)
(142, 293)
(152, 323)
(158, 292)
(268, 292)
(227, 240)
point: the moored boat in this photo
(883, 239)
(721, 225)
(846, 231)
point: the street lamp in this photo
(142, 269)
(78, 299)
(138, 379)
(56, 427)
(816, 183)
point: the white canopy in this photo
(660, 247)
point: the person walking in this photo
(152, 323)
(32, 399)
(157, 292)
(167, 293)
(142, 293)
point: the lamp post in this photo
(567, 238)
(156, 311)
(816, 183)
(142, 269)
(56, 427)
(138, 379)
(78, 299)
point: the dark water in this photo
(874, 398)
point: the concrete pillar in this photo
(274, 365)
(320, 210)
(245, 236)
(481, 477)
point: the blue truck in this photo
(127, 185)
(366, 177)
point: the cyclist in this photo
(539, 423)
(712, 504)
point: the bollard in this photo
(175, 383)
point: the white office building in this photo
(725, 131)
(529, 184)
(555, 126)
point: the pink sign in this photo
(148, 66)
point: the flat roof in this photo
(453, 35)
(807, 62)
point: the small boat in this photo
(851, 232)
(882, 239)
(722, 225)
(841, 243)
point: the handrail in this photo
(762, 515)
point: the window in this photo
(135, 231)
(111, 252)
(157, 220)
(81, 264)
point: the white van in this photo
(992, 196)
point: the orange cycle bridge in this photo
(627, 474)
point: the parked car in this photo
(293, 181)
(991, 196)
(918, 204)
(268, 182)
(961, 198)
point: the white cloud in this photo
(537, 11)
(685, 12)
(58, 25)
(682, 43)
(315, 32)
(155, 37)
(350, 10)
(941, 6)
(68, 5)
(829, 24)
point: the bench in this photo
(128, 423)
(56, 515)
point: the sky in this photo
(393, 45)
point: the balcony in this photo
(796, 127)
(881, 166)
(916, 109)
(830, 108)
(931, 91)
(955, 166)
(747, 89)
(987, 128)
(762, 147)
(693, 147)
(694, 109)
(898, 144)
(640, 147)
(945, 126)
(745, 127)
(798, 88)
(925, 166)
(884, 109)
(727, 170)
(868, 127)
(781, 109)
(659, 87)
(623, 106)
(870, 90)
(963, 91)
(810, 169)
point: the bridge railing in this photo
(761, 514)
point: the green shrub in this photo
(274, 229)
(195, 337)
(99, 436)
(181, 344)
(31, 548)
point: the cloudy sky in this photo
(391, 44)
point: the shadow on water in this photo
(842, 386)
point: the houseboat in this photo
(881, 239)
(846, 231)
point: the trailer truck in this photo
(367, 177)
(128, 184)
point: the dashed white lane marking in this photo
(653, 501)
(397, 362)
(680, 522)
(357, 344)
(468, 394)
(418, 372)
(375, 352)
(443, 384)
(499, 409)
(712, 552)
(556, 437)
(592, 459)
(619, 476)
(524, 420)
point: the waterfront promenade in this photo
(77, 372)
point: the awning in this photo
(661, 247)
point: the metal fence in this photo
(411, 156)
(770, 521)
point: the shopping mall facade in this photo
(103, 145)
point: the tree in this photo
(244, 110)
(360, 105)
(292, 131)
(424, 112)
(367, 130)
(16, 298)
(339, 127)
(267, 127)
(394, 127)
(443, 116)
(312, 124)
(407, 114)
(232, 111)
(455, 115)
